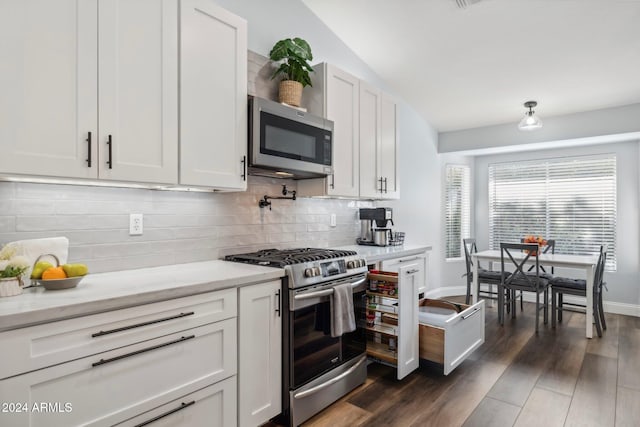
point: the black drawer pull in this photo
(278, 301)
(144, 350)
(244, 168)
(138, 325)
(110, 144)
(173, 411)
(88, 149)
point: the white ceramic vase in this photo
(10, 286)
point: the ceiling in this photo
(472, 67)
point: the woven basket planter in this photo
(290, 92)
(10, 286)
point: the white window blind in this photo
(571, 200)
(458, 208)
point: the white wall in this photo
(585, 127)
(624, 284)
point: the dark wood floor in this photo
(557, 378)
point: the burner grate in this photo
(282, 257)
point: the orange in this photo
(54, 273)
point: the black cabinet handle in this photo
(88, 149)
(138, 325)
(381, 184)
(144, 350)
(110, 143)
(244, 168)
(173, 411)
(278, 302)
(385, 185)
(333, 181)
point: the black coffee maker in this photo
(374, 226)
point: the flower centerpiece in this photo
(12, 268)
(541, 241)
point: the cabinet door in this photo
(48, 80)
(388, 148)
(370, 183)
(260, 348)
(213, 96)
(138, 90)
(408, 340)
(342, 106)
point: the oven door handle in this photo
(325, 292)
(326, 384)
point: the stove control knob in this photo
(308, 272)
(361, 263)
(316, 271)
(351, 264)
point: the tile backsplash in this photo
(179, 226)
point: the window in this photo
(458, 209)
(571, 200)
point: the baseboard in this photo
(609, 306)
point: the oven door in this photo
(312, 349)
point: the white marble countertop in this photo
(382, 253)
(120, 289)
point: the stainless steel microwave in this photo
(287, 143)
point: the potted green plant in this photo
(294, 54)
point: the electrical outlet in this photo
(135, 224)
(333, 220)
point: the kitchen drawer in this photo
(49, 344)
(450, 343)
(105, 389)
(213, 406)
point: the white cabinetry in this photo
(132, 363)
(91, 90)
(260, 353)
(365, 143)
(138, 90)
(48, 82)
(73, 64)
(213, 96)
(393, 304)
(335, 96)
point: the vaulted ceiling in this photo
(475, 66)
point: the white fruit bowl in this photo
(56, 284)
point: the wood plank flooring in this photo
(517, 378)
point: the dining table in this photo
(587, 263)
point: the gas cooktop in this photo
(306, 266)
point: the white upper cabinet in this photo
(49, 96)
(213, 96)
(370, 184)
(138, 90)
(335, 96)
(365, 137)
(388, 149)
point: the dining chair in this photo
(578, 287)
(519, 280)
(487, 277)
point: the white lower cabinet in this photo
(260, 353)
(173, 363)
(213, 406)
(111, 387)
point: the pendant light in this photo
(530, 121)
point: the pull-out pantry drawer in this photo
(450, 339)
(49, 344)
(105, 389)
(213, 406)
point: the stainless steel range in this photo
(317, 368)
